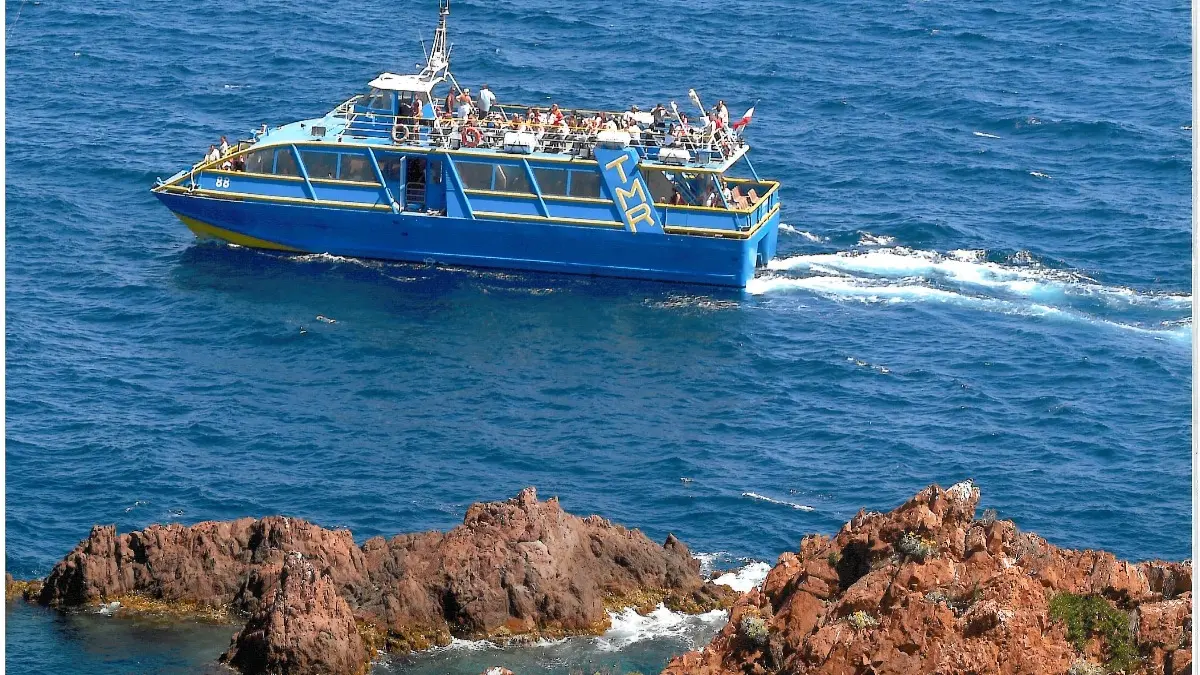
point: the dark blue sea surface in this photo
(985, 273)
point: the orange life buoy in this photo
(399, 133)
(471, 137)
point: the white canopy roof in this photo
(393, 82)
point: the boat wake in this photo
(1014, 284)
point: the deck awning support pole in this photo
(379, 177)
(308, 186)
(754, 173)
(537, 190)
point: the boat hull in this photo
(418, 237)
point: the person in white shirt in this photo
(486, 99)
(723, 113)
(213, 154)
(630, 116)
(224, 146)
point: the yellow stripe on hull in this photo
(206, 230)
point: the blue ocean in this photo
(984, 273)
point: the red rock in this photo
(980, 606)
(1164, 623)
(306, 628)
(519, 566)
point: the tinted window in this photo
(661, 187)
(585, 184)
(475, 176)
(285, 163)
(357, 167)
(390, 166)
(260, 161)
(435, 171)
(378, 100)
(511, 179)
(551, 181)
(319, 164)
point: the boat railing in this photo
(346, 108)
(702, 146)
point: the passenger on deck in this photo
(212, 155)
(677, 198)
(224, 146)
(660, 114)
(450, 99)
(630, 116)
(464, 104)
(555, 115)
(486, 100)
(723, 113)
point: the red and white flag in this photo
(745, 119)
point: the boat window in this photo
(585, 184)
(661, 187)
(260, 161)
(552, 182)
(390, 165)
(378, 99)
(511, 178)
(475, 176)
(285, 163)
(435, 171)
(319, 164)
(357, 167)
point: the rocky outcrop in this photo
(928, 588)
(306, 627)
(518, 567)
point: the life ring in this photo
(399, 133)
(471, 137)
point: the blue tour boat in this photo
(405, 172)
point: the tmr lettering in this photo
(640, 210)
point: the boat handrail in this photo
(441, 132)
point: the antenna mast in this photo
(439, 54)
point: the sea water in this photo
(984, 273)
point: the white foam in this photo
(1021, 286)
(964, 268)
(788, 229)
(1039, 174)
(328, 258)
(985, 135)
(868, 239)
(764, 498)
(629, 627)
(746, 578)
(850, 288)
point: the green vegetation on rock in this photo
(1088, 615)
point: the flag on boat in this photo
(745, 119)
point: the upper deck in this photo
(508, 131)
